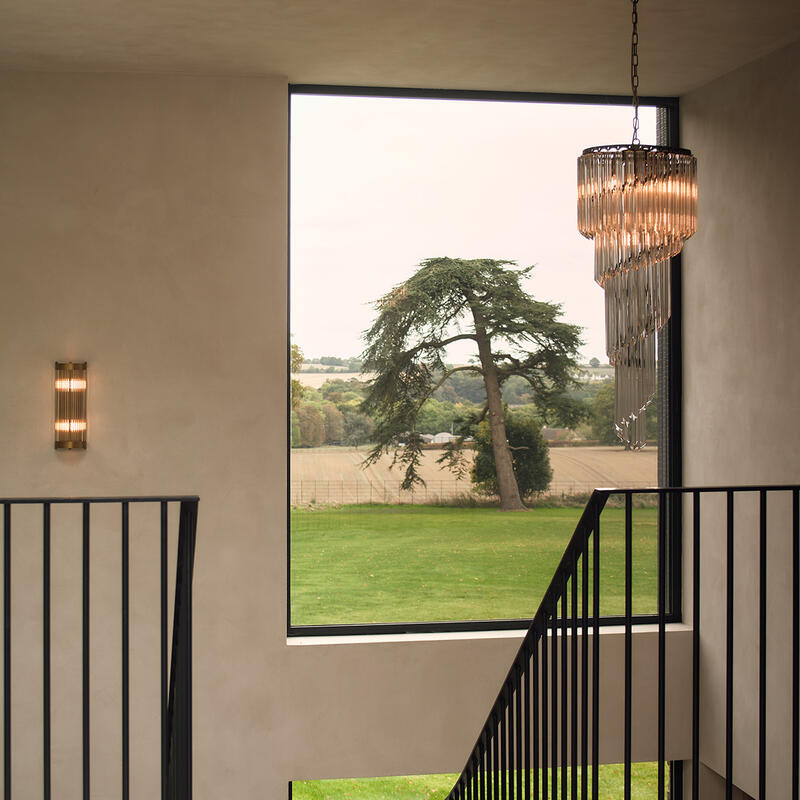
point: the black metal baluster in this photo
(180, 732)
(490, 766)
(554, 702)
(532, 678)
(502, 731)
(508, 761)
(518, 727)
(164, 686)
(495, 758)
(574, 680)
(661, 568)
(795, 644)
(513, 736)
(695, 645)
(596, 657)
(486, 766)
(7, 651)
(479, 773)
(563, 692)
(544, 723)
(729, 657)
(527, 722)
(486, 788)
(512, 745)
(585, 673)
(472, 782)
(762, 647)
(86, 640)
(510, 779)
(46, 651)
(482, 769)
(628, 637)
(125, 653)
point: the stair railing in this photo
(175, 686)
(535, 742)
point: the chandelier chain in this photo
(635, 71)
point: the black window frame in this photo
(670, 383)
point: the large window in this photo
(380, 186)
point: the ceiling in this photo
(523, 45)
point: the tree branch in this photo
(466, 367)
(443, 343)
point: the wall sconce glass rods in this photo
(70, 415)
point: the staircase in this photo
(543, 736)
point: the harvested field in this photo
(333, 475)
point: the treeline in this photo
(332, 364)
(330, 415)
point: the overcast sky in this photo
(378, 185)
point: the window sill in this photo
(390, 638)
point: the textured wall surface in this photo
(143, 222)
(741, 382)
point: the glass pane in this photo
(377, 187)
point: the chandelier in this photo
(639, 204)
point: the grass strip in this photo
(381, 564)
(644, 780)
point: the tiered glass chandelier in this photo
(639, 204)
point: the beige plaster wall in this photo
(741, 382)
(143, 228)
(143, 222)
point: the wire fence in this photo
(326, 492)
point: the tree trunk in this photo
(506, 481)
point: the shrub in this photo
(529, 456)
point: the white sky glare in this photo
(380, 184)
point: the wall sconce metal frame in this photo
(70, 416)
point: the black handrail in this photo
(539, 721)
(176, 719)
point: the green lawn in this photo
(372, 564)
(644, 780)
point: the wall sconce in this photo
(70, 424)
